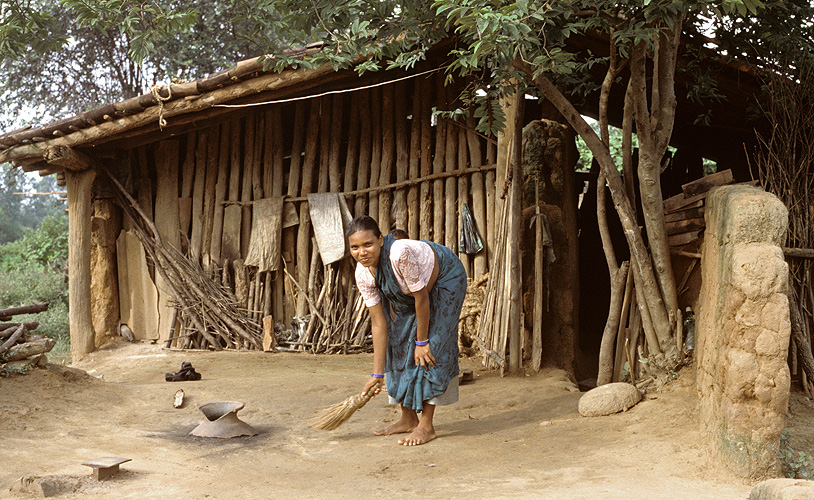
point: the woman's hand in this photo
(423, 357)
(373, 384)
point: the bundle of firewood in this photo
(19, 350)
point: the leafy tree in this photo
(19, 213)
(105, 51)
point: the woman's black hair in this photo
(399, 234)
(363, 223)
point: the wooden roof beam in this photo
(68, 158)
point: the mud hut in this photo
(202, 212)
(208, 214)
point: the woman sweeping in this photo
(414, 291)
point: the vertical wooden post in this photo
(80, 211)
(304, 232)
(425, 161)
(491, 206)
(376, 150)
(451, 188)
(274, 157)
(293, 189)
(334, 177)
(365, 151)
(478, 195)
(198, 190)
(258, 165)
(463, 198)
(325, 128)
(438, 166)
(217, 161)
(187, 177)
(352, 152)
(414, 164)
(250, 163)
(167, 224)
(516, 238)
(388, 158)
(228, 147)
(145, 184)
(400, 210)
(539, 282)
(105, 227)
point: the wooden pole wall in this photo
(341, 143)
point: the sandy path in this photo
(514, 437)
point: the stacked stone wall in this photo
(743, 328)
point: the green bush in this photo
(33, 270)
(796, 464)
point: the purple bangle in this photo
(421, 343)
(377, 375)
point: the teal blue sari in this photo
(408, 383)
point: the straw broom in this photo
(332, 417)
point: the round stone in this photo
(608, 399)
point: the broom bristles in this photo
(335, 415)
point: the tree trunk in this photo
(618, 281)
(639, 254)
(654, 130)
(27, 349)
(29, 309)
(799, 335)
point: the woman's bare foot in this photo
(401, 426)
(420, 435)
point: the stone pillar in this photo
(743, 328)
(104, 282)
(549, 148)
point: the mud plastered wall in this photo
(743, 330)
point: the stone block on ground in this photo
(46, 486)
(609, 399)
(783, 489)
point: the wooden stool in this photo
(105, 467)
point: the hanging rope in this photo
(155, 90)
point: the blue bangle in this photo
(377, 375)
(421, 343)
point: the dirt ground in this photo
(512, 437)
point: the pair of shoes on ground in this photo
(187, 372)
